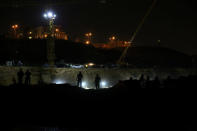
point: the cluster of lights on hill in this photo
(51, 16)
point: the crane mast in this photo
(123, 55)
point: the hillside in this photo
(157, 56)
(33, 52)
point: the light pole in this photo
(50, 16)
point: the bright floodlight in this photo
(50, 15)
(103, 84)
(45, 15)
(84, 84)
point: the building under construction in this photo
(40, 32)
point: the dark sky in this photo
(172, 21)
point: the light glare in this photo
(84, 84)
(45, 15)
(59, 82)
(103, 83)
(50, 15)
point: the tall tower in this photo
(50, 41)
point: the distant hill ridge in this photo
(33, 52)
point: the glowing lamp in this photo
(50, 15)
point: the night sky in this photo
(171, 21)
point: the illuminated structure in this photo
(50, 16)
(42, 33)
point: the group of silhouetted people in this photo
(96, 82)
(20, 75)
(145, 82)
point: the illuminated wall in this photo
(109, 77)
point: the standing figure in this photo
(79, 79)
(20, 75)
(142, 81)
(156, 82)
(97, 81)
(14, 81)
(27, 77)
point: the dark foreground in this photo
(125, 106)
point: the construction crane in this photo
(122, 57)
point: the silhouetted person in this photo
(79, 79)
(142, 81)
(14, 80)
(168, 78)
(156, 82)
(27, 77)
(20, 75)
(131, 79)
(97, 81)
(40, 81)
(142, 78)
(168, 82)
(147, 83)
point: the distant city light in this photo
(14, 26)
(45, 35)
(57, 30)
(88, 42)
(112, 38)
(90, 34)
